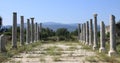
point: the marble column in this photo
(28, 36)
(35, 32)
(0, 21)
(95, 44)
(22, 31)
(84, 33)
(32, 30)
(102, 37)
(2, 43)
(87, 33)
(91, 33)
(40, 31)
(79, 32)
(112, 50)
(14, 31)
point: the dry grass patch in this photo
(53, 50)
(57, 58)
(11, 52)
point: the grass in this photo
(33, 56)
(101, 56)
(72, 48)
(57, 58)
(42, 59)
(91, 59)
(11, 52)
(12, 61)
(54, 50)
(105, 58)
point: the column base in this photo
(35, 41)
(83, 42)
(94, 47)
(14, 47)
(90, 44)
(102, 50)
(27, 43)
(112, 53)
(86, 43)
(31, 41)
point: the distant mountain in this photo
(55, 26)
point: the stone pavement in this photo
(59, 52)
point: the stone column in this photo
(38, 31)
(35, 32)
(22, 31)
(102, 37)
(84, 33)
(28, 36)
(112, 50)
(87, 33)
(95, 44)
(40, 36)
(2, 43)
(0, 21)
(91, 33)
(79, 32)
(14, 31)
(32, 30)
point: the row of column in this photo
(88, 35)
(32, 31)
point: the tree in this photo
(47, 32)
(63, 33)
(75, 32)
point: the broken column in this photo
(14, 31)
(112, 50)
(28, 36)
(32, 30)
(2, 43)
(87, 33)
(22, 31)
(95, 44)
(102, 37)
(91, 33)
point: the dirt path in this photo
(54, 53)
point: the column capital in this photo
(95, 15)
(14, 12)
(112, 17)
(32, 18)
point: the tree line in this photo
(46, 34)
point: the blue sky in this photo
(60, 11)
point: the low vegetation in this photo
(11, 52)
(57, 58)
(53, 50)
